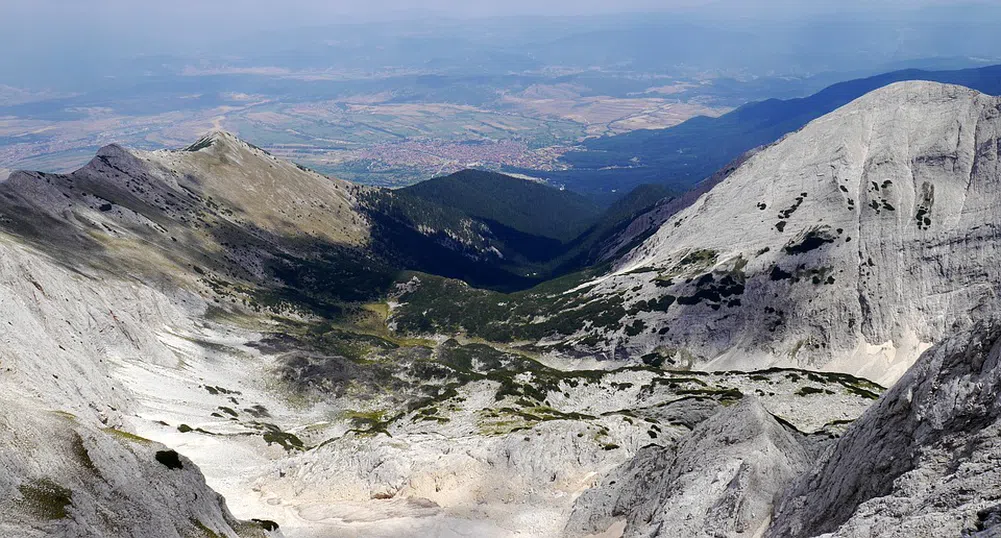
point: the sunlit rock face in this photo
(920, 462)
(850, 245)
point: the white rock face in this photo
(719, 481)
(64, 331)
(59, 477)
(850, 245)
(921, 462)
(69, 340)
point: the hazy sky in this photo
(262, 12)
(26, 22)
(43, 36)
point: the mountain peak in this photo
(217, 138)
(910, 89)
(113, 151)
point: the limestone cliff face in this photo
(721, 480)
(71, 342)
(921, 462)
(62, 477)
(850, 245)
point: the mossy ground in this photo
(45, 499)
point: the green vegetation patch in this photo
(435, 305)
(860, 391)
(854, 385)
(816, 275)
(274, 435)
(699, 258)
(812, 239)
(368, 421)
(184, 428)
(44, 499)
(206, 532)
(430, 414)
(81, 453)
(266, 524)
(719, 394)
(510, 419)
(220, 390)
(527, 206)
(202, 143)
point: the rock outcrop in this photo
(720, 480)
(921, 462)
(60, 477)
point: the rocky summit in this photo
(212, 341)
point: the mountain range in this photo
(212, 341)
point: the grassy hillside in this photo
(683, 155)
(523, 206)
(540, 232)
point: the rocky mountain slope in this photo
(920, 462)
(315, 426)
(720, 480)
(241, 216)
(62, 477)
(70, 460)
(873, 234)
(144, 304)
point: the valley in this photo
(487, 355)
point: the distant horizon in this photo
(59, 34)
(257, 15)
